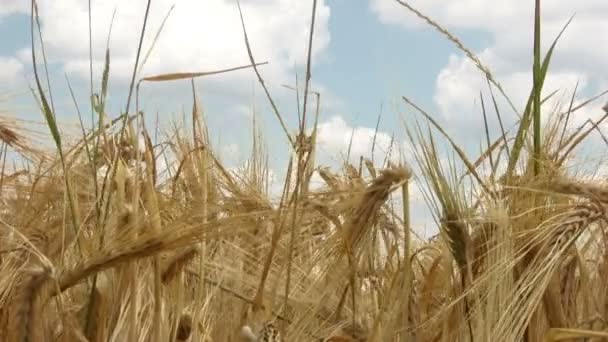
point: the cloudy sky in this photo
(366, 55)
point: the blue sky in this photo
(367, 54)
(366, 64)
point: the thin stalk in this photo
(405, 192)
(261, 80)
(91, 67)
(487, 130)
(537, 89)
(46, 68)
(135, 68)
(566, 121)
(4, 152)
(308, 62)
(376, 133)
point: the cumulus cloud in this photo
(11, 69)
(578, 57)
(460, 82)
(486, 15)
(8, 7)
(198, 35)
(230, 153)
(334, 138)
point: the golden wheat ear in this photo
(247, 334)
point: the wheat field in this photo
(113, 235)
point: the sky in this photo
(366, 55)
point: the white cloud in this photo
(334, 137)
(230, 153)
(580, 53)
(460, 82)
(8, 7)
(198, 36)
(11, 69)
(486, 15)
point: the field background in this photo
(129, 230)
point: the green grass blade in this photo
(527, 117)
(537, 89)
